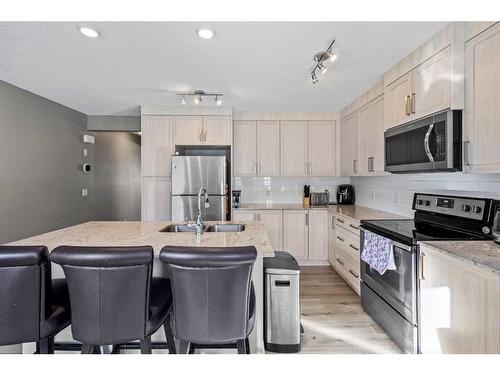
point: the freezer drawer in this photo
(185, 208)
(190, 173)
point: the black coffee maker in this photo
(345, 194)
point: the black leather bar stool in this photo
(114, 298)
(214, 299)
(33, 307)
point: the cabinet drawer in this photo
(349, 270)
(347, 224)
(347, 243)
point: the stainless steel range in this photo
(392, 299)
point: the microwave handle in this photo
(426, 143)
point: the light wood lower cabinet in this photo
(331, 240)
(482, 114)
(296, 233)
(272, 220)
(156, 201)
(459, 305)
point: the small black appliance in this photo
(345, 194)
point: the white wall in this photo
(283, 189)
(394, 193)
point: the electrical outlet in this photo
(85, 192)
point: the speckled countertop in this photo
(279, 206)
(484, 254)
(138, 233)
(362, 213)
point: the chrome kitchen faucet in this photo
(199, 220)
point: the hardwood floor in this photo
(332, 317)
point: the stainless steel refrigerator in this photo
(189, 174)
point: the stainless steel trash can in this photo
(282, 303)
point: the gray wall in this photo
(114, 123)
(116, 192)
(41, 150)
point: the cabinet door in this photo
(217, 130)
(155, 199)
(398, 101)
(460, 306)
(245, 148)
(482, 121)
(321, 148)
(331, 240)
(268, 148)
(376, 139)
(156, 145)
(350, 145)
(365, 127)
(318, 235)
(244, 215)
(432, 84)
(295, 233)
(293, 148)
(188, 130)
(273, 222)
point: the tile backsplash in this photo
(394, 193)
(283, 189)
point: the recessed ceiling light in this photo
(87, 31)
(205, 33)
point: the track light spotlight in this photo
(198, 95)
(314, 78)
(217, 100)
(322, 68)
(183, 100)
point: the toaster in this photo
(320, 199)
(345, 194)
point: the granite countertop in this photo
(356, 212)
(279, 206)
(139, 233)
(484, 254)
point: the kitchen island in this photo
(139, 233)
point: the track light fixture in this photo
(320, 58)
(198, 96)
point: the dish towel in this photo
(378, 252)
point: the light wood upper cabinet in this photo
(202, 130)
(273, 222)
(482, 115)
(350, 145)
(296, 233)
(321, 148)
(460, 306)
(188, 130)
(398, 96)
(245, 148)
(318, 235)
(217, 130)
(294, 148)
(156, 145)
(268, 148)
(155, 199)
(432, 84)
(371, 138)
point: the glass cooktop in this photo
(411, 231)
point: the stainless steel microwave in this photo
(430, 144)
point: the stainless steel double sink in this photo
(191, 228)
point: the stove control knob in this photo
(427, 203)
(476, 209)
(465, 208)
(420, 202)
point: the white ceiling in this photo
(257, 65)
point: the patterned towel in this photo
(378, 252)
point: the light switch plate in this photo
(85, 192)
(85, 153)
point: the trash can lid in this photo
(282, 263)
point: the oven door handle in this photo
(399, 245)
(426, 143)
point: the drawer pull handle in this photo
(282, 283)
(354, 226)
(354, 274)
(340, 221)
(354, 247)
(340, 238)
(338, 260)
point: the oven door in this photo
(423, 145)
(397, 287)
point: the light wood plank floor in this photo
(333, 319)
